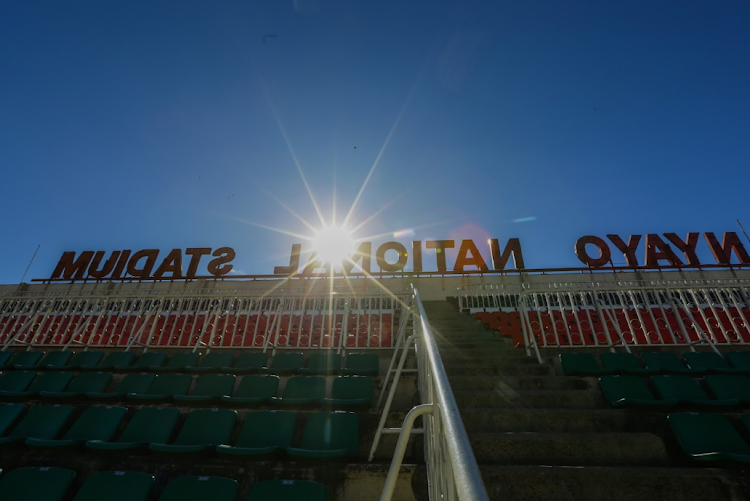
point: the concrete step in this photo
(501, 383)
(561, 483)
(569, 449)
(480, 420)
(509, 369)
(510, 398)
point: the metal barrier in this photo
(452, 470)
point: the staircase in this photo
(540, 435)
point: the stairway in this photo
(540, 435)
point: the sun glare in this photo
(333, 244)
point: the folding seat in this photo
(362, 364)
(14, 383)
(79, 360)
(667, 363)
(114, 360)
(209, 387)
(264, 432)
(739, 360)
(248, 362)
(630, 391)
(42, 421)
(179, 362)
(54, 359)
(350, 391)
(624, 363)
(151, 360)
(285, 363)
(83, 383)
(165, 387)
(36, 484)
(328, 435)
(687, 391)
(5, 357)
(288, 490)
(132, 383)
(255, 389)
(710, 362)
(323, 363)
(709, 437)
(116, 486)
(9, 414)
(26, 359)
(581, 364)
(94, 423)
(200, 488)
(213, 362)
(726, 387)
(148, 425)
(46, 381)
(203, 429)
(302, 390)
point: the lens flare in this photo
(333, 244)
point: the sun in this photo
(333, 244)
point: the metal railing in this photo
(452, 470)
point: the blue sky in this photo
(158, 124)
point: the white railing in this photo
(452, 470)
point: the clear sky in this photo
(173, 124)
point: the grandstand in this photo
(627, 385)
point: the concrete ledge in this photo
(510, 398)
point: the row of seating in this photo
(346, 391)
(121, 361)
(326, 434)
(711, 437)
(692, 362)
(53, 484)
(673, 390)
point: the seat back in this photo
(324, 363)
(251, 361)
(200, 488)
(288, 490)
(729, 387)
(216, 360)
(170, 384)
(705, 360)
(89, 381)
(118, 359)
(620, 361)
(96, 423)
(362, 363)
(135, 383)
(207, 427)
(9, 413)
(739, 359)
(51, 381)
(150, 425)
(305, 387)
(331, 431)
(352, 387)
(55, 358)
(287, 362)
(27, 358)
(214, 385)
(268, 429)
(151, 359)
(116, 486)
(38, 484)
(700, 433)
(258, 386)
(616, 388)
(43, 421)
(663, 361)
(16, 380)
(679, 388)
(86, 358)
(183, 360)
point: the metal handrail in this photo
(453, 472)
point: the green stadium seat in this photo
(687, 391)
(264, 433)
(581, 364)
(81, 359)
(351, 391)
(49, 381)
(216, 361)
(115, 360)
(328, 435)
(210, 387)
(323, 363)
(9, 414)
(148, 425)
(26, 359)
(179, 362)
(302, 390)
(254, 389)
(203, 429)
(745, 420)
(15, 383)
(248, 362)
(83, 383)
(624, 363)
(42, 421)
(5, 357)
(288, 490)
(739, 360)
(164, 388)
(709, 362)
(36, 484)
(364, 364)
(726, 387)
(116, 486)
(95, 423)
(200, 489)
(151, 360)
(54, 359)
(709, 437)
(667, 363)
(132, 383)
(630, 391)
(286, 363)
